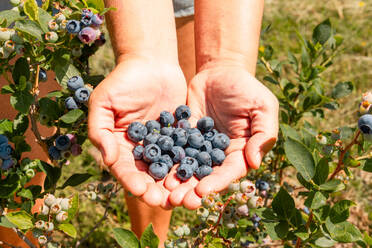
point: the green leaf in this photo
(20, 144)
(21, 219)
(305, 58)
(29, 27)
(74, 207)
(52, 173)
(8, 89)
(44, 19)
(302, 233)
(75, 180)
(20, 124)
(300, 157)
(283, 204)
(270, 80)
(21, 101)
(49, 108)
(367, 239)
(289, 131)
(31, 10)
(25, 193)
(325, 242)
(321, 172)
(6, 223)
(342, 89)
(55, 93)
(68, 228)
(277, 230)
(65, 72)
(149, 238)
(322, 32)
(340, 211)
(367, 165)
(45, 5)
(9, 185)
(72, 116)
(344, 232)
(334, 185)
(97, 4)
(126, 238)
(10, 16)
(21, 68)
(6, 127)
(315, 200)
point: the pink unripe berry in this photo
(87, 35)
(234, 187)
(55, 208)
(242, 210)
(65, 203)
(72, 138)
(76, 149)
(49, 199)
(40, 224)
(241, 198)
(247, 187)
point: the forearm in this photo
(227, 32)
(142, 28)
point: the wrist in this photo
(208, 61)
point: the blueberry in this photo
(86, 12)
(165, 143)
(75, 82)
(138, 152)
(306, 210)
(87, 35)
(190, 161)
(73, 27)
(54, 153)
(193, 130)
(221, 141)
(152, 153)
(63, 143)
(177, 154)
(70, 103)
(101, 40)
(51, 37)
(365, 124)
(166, 159)
(158, 170)
(206, 147)
(204, 158)
(137, 131)
(195, 140)
(86, 21)
(183, 112)
(184, 172)
(3, 139)
(185, 124)
(5, 151)
(217, 156)
(166, 119)
(42, 75)
(152, 125)
(191, 152)
(210, 135)
(76, 149)
(7, 164)
(151, 138)
(263, 185)
(203, 171)
(205, 124)
(179, 137)
(97, 20)
(168, 131)
(256, 219)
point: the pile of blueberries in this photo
(166, 143)
(65, 146)
(6, 160)
(81, 93)
(87, 29)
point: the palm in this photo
(137, 90)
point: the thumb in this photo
(257, 146)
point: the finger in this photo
(153, 195)
(100, 129)
(234, 167)
(171, 181)
(191, 200)
(177, 195)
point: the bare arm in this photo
(227, 31)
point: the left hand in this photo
(244, 109)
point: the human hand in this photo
(137, 90)
(241, 107)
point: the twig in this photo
(265, 245)
(23, 237)
(222, 211)
(298, 242)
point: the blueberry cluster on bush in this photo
(6, 150)
(81, 93)
(365, 120)
(10, 42)
(64, 147)
(172, 140)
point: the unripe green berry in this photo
(19, 49)
(42, 240)
(212, 219)
(230, 224)
(55, 208)
(76, 52)
(60, 18)
(186, 230)
(92, 195)
(53, 26)
(4, 54)
(181, 243)
(49, 226)
(65, 203)
(178, 231)
(248, 188)
(241, 198)
(234, 187)
(50, 199)
(242, 210)
(44, 210)
(9, 46)
(6, 34)
(208, 201)
(51, 37)
(15, 2)
(169, 244)
(62, 216)
(254, 201)
(91, 187)
(30, 173)
(40, 224)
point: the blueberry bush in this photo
(264, 209)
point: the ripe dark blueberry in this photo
(195, 140)
(203, 171)
(204, 158)
(138, 152)
(217, 156)
(190, 161)
(152, 125)
(177, 154)
(165, 143)
(63, 142)
(54, 153)
(191, 152)
(97, 20)
(210, 135)
(86, 21)
(100, 41)
(365, 124)
(179, 137)
(73, 27)
(262, 185)
(183, 112)
(137, 131)
(151, 138)
(86, 12)
(152, 153)
(184, 172)
(166, 119)
(256, 219)
(168, 131)
(5, 151)
(158, 170)
(193, 130)
(185, 124)
(75, 83)
(166, 159)
(70, 103)
(43, 75)
(221, 141)
(205, 124)
(7, 164)
(206, 147)
(3, 139)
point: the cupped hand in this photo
(241, 107)
(137, 90)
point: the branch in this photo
(298, 242)
(222, 211)
(23, 237)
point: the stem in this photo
(298, 242)
(266, 245)
(221, 213)
(342, 155)
(23, 237)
